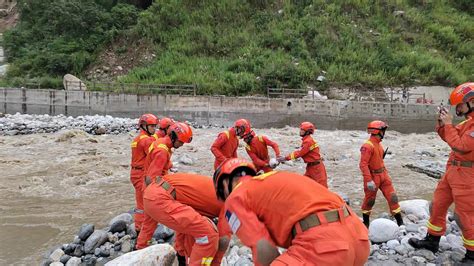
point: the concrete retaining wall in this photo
(263, 112)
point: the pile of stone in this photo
(390, 242)
(22, 124)
(97, 247)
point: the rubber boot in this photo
(181, 260)
(469, 258)
(430, 242)
(399, 219)
(366, 218)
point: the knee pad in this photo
(371, 202)
(394, 198)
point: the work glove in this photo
(371, 186)
(273, 163)
(281, 159)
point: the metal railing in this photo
(284, 92)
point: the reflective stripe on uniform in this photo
(292, 155)
(467, 242)
(397, 210)
(248, 147)
(261, 139)
(152, 146)
(227, 134)
(370, 143)
(433, 227)
(163, 147)
(202, 240)
(143, 136)
(314, 146)
(366, 212)
(263, 176)
(134, 144)
(207, 260)
(138, 211)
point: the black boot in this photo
(366, 218)
(430, 242)
(399, 219)
(181, 260)
(469, 258)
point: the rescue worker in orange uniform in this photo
(226, 144)
(147, 125)
(291, 211)
(457, 184)
(256, 147)
(309, 151)
(163, 125)
(158, 161)
(375, 174)
(186, 203)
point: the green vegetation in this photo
(242, 47)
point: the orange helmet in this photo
(147, 119)
(377, 126)
(165, 123)
(462, 93)
(242, 127)
(181, 131)
(228, 169)
(308, 127)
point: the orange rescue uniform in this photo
(185, 203)
(294, 212)
(140, 145)
(315, 168)
(258, 152)
(157, 164)
(225, 146)
(457, 184)
(373, 169)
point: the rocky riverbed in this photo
(71, 174)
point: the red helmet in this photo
(308, 127)
(375, 127)
(462, 93)
(181, 131)
(165, 123)
(228, 169)
(242, 127)
(147, 119)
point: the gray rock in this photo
(455, 241)
(186, 160)
(383, 230)
(412, 228)
(458, 254)
(77, 240)
(102, 261)
(64, 259)
(126, 246)
(243, 261)
(391, 244)
(121, 234)
(244, 251)
(74, 261)
(444, 244)
(418, 259)
(56, 255)
(162, 232)
(417, 207)
(47, 262)
(127, 217)
(85, 231)
(118, 226)
(69, 249)
(131, 231)
(381, 257)
(56, 263)
(97, 238)
(444, 259)
(91, 261)
(112, 237)
(425, 254)
(97, 252)
(78, 251)
(118, 246)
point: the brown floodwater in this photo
(50, 184)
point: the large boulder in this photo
(382, 230)
(162, 254)
(163, 232)
(85, 231)
(72, 83)
(418, 207)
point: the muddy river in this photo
(50, 184)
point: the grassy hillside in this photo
(241, 47)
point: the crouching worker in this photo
(291, 211)
(186, 203)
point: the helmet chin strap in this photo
(145, 129)
(470, 109)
